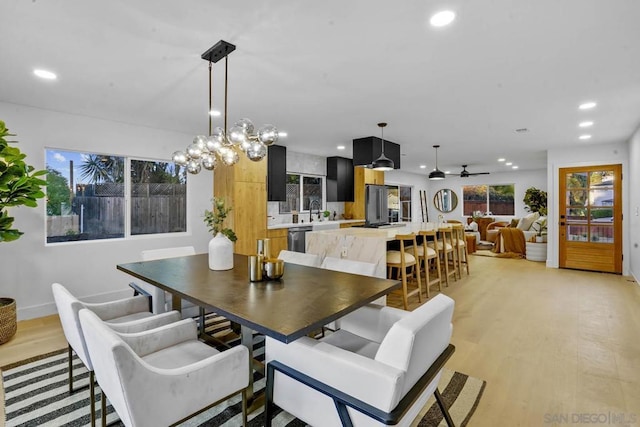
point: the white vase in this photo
(220, 253)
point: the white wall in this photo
(88, 269)
(521, 179)
(587, 155)
(633, 197)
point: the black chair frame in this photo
(342, 400)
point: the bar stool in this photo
(402, 260)
(431, 254)
(446, 250)
(460, 241)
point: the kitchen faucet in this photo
(311, 205)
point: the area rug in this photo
(36, 394)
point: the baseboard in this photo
(47, 309)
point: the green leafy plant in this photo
(536, 200)
(326, 214)
(19, 184)
(540, 227)
(215, 219)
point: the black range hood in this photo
(368, 149)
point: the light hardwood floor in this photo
(550, 343)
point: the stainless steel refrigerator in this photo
(376, 206)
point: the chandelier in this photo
(222, 145)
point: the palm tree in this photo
(99, 169)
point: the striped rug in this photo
(36, 394)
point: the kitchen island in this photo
(361, 244)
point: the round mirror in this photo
(445, 200)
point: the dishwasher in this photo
(296, 238)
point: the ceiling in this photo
(327, 72)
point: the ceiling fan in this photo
(465, 173)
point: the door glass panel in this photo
(601, 215)
(601, 234)
(576, 180)
(600, 178)
(577, 198)
(601, 197)
(579, 214)
(577, 232)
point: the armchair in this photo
(493, 229)
(165, 375)
(125, 315)
(379, 368)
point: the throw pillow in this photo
(525, 223)
(514, 223)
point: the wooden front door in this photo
(590, 226)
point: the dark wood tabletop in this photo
(302, 301)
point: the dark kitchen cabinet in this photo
(339, 179)
(277, 173)
(366, 150)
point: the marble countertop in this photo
(307, 224)
(382, 233)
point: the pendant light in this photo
(436, 174)
(382, 163)
(224, 145)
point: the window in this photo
(303, 192)
(87, 196)
(489, 199)
(158, 197)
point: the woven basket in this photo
(8, 319)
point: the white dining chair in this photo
(161, 300)
(310, 260)
(163, 376)
(125, 315)
(349, 266)
(353, 267)
(380, 368)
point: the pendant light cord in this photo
(210, 96)
(226, 86)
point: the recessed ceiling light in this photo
(442, 18)
(423, 166)
(282, 134)
(508, 163)
(214, 113)
(341, 147)
(501, 159)
(514, 167)
(44, 74)
(585, 124)
(585, 137)
(587, 105)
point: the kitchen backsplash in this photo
(275, 217)
(308, 164)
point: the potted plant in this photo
(221, 246)
(326, 215)
(20, 185)
(540, 227)
(535, 200)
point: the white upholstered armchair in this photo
(379, 368)
(165, 375)
(125, 315)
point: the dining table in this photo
(302, 301)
